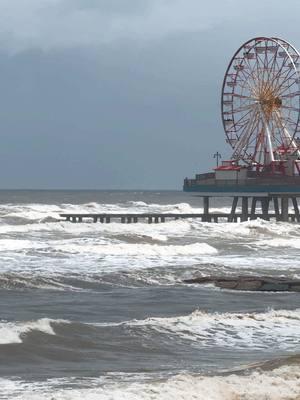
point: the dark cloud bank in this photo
(126, 112)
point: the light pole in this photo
(217, 155)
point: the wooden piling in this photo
(265, 208)
(253, 208)
(276, 208)
(233, 209)
(296, 209)
(244, 209)
(284, 209)
(205, 208)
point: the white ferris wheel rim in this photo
(285, 126)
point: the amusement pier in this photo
(260, 107)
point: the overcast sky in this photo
(116, 94)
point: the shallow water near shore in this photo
(101, 310)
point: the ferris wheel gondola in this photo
(261, 102)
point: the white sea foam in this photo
(32, 247)
(144, 250)
(291, 242)
(247, 230)
(280, 384)
(37, 211)
(272, 329)
(13, 332)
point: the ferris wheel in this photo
(261, 102)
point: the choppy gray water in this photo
(100, 310)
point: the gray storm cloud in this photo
(120, 94)
(67, 23)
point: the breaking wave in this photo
(271, 329)
(11, 332)
(235, 330)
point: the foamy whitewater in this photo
(100, 311)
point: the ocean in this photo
(100, 311)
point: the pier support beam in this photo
(233, 209)
(244, 209)
(205, 208)
(253, 208)
(296, 208)
(276, 208)
(265, 201)
(284, 209)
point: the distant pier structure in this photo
(260, 106)
(245, 206)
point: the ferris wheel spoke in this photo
(238, 125)
(272, 65)
(261, 66)
(290, 95)
(243, 118)
(289, 121)
(243, 96)
(243, 108)
(265, 64)
(245, 86)
(245, 102)
(245, 136)
(268, 134)
(278, 134)
(247, 81)
(282, 88)
(287, 138)
(252, 74)
(258, 145)
(285, 78)
(244, 125)
(290, 108)
(240, 119)
(281, 75)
